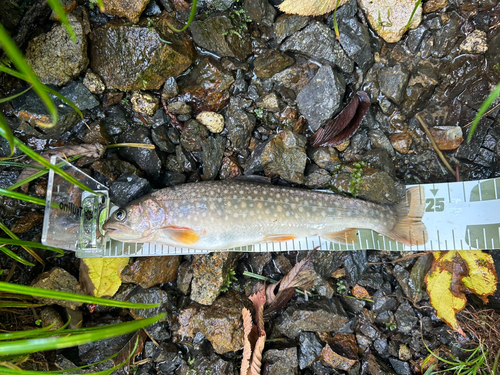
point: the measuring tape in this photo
(458, 216)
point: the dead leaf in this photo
(345, 124)
(310, 7)
(301, 276)
(125, 354)
(455, 273)
(359, 292)
(100, 277)
(255, 335)
(329, 357)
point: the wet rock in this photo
(401, 368)
(206, 365)
(220, 323)
(309, 349)
(96, 133)
(50, 316)
(193, 135)
(140, 60)
(280, 361)
(434, 5)
(55, 58)
(314, 316)
(375, 367)
(493, 54)
(59, 280)
(111, 169)
(239, 124)
(270, 102)
(260, 12)
(25, 223)
(417, 276)
(405, 318)
(325, 157)
(216, 34)
(470, 150)
(318, 179)
(271, 62)
(401, 142)
(168, 358)
(151, 271)
(184, 277)
(161, 139)
(130, 9)
(94, 83)
(220, 5)
(153, 295)
(355, 264)
(143, 102)
(297, 76)
(80, 95)
(145, 159)
(318, 42)
(389, 18)
(287, 24)
(179, 108)
(327, 262)
(206, 87)
(170, 89)
(393, 81)
(475, 42)
(127, 188)
(184, 160)
(383, 304)
(112, 98)
(415, 37)
(447, 137)
(321, 98)
(213, 151)
(240, 85)
(285, 155)
(213, 121)
(229, 168)
(209, 275)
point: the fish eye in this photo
(120, 214)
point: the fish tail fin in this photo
(409, 228)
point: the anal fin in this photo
(278, 237)
(345, 236)
(184, 235)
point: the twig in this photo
(436, 148)
(491, 110)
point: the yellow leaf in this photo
(100, 277)
(455, 273)
(309, 7)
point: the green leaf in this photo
(61, 342)
(412, 14)
(22, 165)
(18, 242)
(21, 196)
(191, 18)
(14, 256)
(57, 7)
(45, 293)
(17, 58)
(7, 133)
(15, 238)
(484, 107)
(9, 98)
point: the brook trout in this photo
(218, 215)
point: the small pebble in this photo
(94, 83)
(447, 137)
(213, 121)
(341, 147)
(401, 142)
(144, 103)
(475, 42)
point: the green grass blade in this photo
(335, 24)
(17, 58)
(57, 7)
(4, 100)
(21, 196)
(64, 99)
(14, 256)
(14, 304)
(484, 107)
(45, 293)
(412, 14)
(25, 334)
(7, 133)
(40, 159)
(22, 243)
(61, 342)
(191, 18)
(17, 242)
(22, 165)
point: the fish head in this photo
(138, 221)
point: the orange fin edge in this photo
(184, 235)
(278, 237)
(347, 236)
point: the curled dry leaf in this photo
(255, 335)
(302, 275)
(343, 127)
(455, 273)
(310, 7)
(359, 292)
(338, 362)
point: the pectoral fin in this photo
(184, 235)
(278, 237)
(345, 236)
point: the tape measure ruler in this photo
(458, 216)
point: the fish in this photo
(219, 215)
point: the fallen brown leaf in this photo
(359, 292)
(329, 357)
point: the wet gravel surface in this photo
(240, 93)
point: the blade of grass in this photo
(14, 256)
(484, 107)
(8, 135)
(412, 14)
(22, 165)
(138, 145)
(61, 342)
(18, 242)
(335, 24)
(191, 18)
(28, 250)
(25, 334)
(57, 7)
(45, 293)
(43, 171)
(17, 58)
(12, 304)
(21, 196)
(4, 100)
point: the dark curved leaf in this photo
(343, 127)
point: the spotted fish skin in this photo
(218, 215)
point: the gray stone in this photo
(309, 348)
(393, 81)
(319, 100)
(384, 304)
(260, 12)
(239, 124)
(213, 151)
(193, 135)
(127, 188)
(355, 265)
(325, 157)
(280, 361)
(405, 318)
(318, 42)
(401, 368)
(220, 5)
(287, 24)
(131, 10)
(145, 159)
